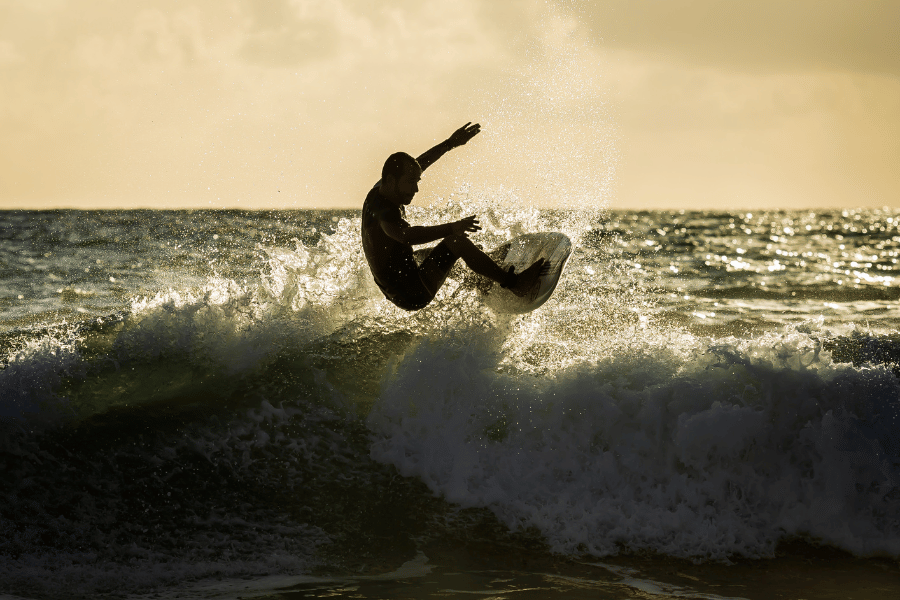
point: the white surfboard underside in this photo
(523, 251)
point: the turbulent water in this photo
(221, 403)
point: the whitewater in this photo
(221, 403)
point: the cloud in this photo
(8, 54)
(297, 102)
(750, 103)
(758, 35)
(705, 137)
(283, 33)
(200, 101)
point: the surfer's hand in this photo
(463, 134)
(464, 226)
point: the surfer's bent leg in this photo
(410, 293)
(417, 288)
(436, 266)
(475, 258)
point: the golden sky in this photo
(296, 103)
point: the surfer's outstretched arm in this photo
(423, 234)
(459, 137)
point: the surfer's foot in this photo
(526, 282)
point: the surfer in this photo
(388, 239)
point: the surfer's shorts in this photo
(410, 292)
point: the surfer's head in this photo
(400, 178)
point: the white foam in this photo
(32, 375)
(699, 449)
(656, 588)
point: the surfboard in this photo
(520, 253)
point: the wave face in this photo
(690, 450)
(251, 405)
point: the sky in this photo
(293, 104)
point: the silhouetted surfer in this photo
(388, 239)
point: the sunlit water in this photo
(219, 404)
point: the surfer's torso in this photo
(391, 261)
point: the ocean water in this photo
(220, 404)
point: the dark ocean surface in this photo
(221, 404)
